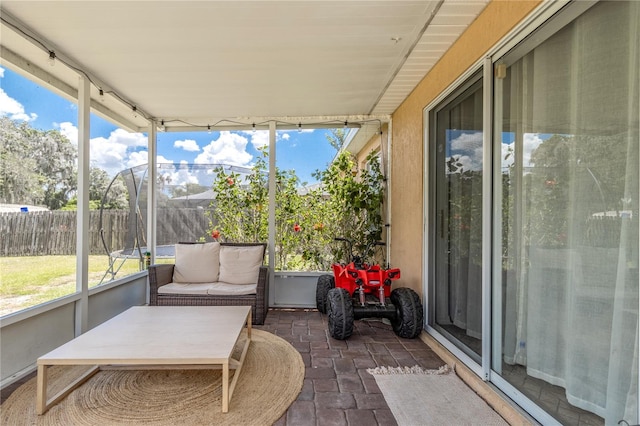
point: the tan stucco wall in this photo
(376, 143)
(497, 19)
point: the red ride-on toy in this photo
(360, 290)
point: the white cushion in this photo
(197, 263)
(224, 289)
(240, 264)
(211, 289)
(186, 288)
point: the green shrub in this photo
(347, 204)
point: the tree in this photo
(18, 178)
(186, 189)
(336, 138)
(98, 183)
(240, 214)
(103, 192)
(355, 202)
(38, 167)
(346, 205)
(576, 190)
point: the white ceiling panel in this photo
(203, 61)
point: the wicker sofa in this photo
(213, 274)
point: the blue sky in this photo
(114, 149)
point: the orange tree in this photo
(354, 204)
(345, 205)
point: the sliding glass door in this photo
(567, 130)
(456, 166)
(563, 245)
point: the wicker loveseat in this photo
(213, 274)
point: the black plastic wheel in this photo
(408, 320)
(325, 283)
(340, 313)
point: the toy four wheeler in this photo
(360, 290)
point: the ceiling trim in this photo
(406, 56)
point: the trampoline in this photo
(133, 180)
(129, 187)
(162, 252)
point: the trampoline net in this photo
(185, 199)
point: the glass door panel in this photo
(569, 141)
(457, 162)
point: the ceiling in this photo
(194, 64)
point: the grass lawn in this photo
(31, 280)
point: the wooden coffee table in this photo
(150, 337)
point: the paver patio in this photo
(337, 388)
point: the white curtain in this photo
(571, 314)
(459, 283)
(465, 275)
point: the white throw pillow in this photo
(197, 263)
(240, 264)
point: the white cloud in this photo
(531, 142)
(69, 130)
(163, 160)
(187, 144)
(467, 148)
(107, 156)
(466, 163)
(467, 141)
(179, 175)
(259, 138)
(14, 109)
(135, 159)
(229, 148)
(129, 139)
(1, 72)
(114, 153)
(286, 134)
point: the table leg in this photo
(41, 392)
(225, 387)
(42, 404)
(249, 320)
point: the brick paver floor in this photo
(337, 389)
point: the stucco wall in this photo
(376, 143)
(497, 19)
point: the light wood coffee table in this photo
(149, 337)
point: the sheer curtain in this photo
(465, 236)
(573, 211)
(459, 187)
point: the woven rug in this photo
(270, 380)
(432, 397)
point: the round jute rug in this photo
(270, 380)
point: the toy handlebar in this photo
(358, 260)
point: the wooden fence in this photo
(54, 232)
